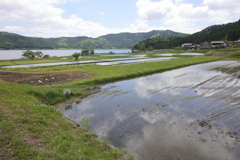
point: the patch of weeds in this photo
(77, 101)
(235, 55)
(85, 122)
(51, 97)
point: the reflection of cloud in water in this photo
(76, 113)
(208, 83)
(165, 109)
(155, 116)
(168, 81)
(103, 127)
(177, 142)
(152, 118)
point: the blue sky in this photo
(93, 18)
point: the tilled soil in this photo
(49, 78)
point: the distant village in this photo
(208, 45)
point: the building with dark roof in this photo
(206, 45)
(187, 46)
(237, 43)
(221, 44)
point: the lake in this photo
(16, 54)
(187, 113)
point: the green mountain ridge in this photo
(109, 41)
(225, 32)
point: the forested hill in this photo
(225, 32)
(15, 41)
(126, 40)
(110, 41)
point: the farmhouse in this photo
(206, 45)
(237, 43)
(187, 46)
(221, 44)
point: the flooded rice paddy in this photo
(192, 54)
(187, 113)
(103, 62)
(68, 63)
(135, 61)
(165, 54)
(186, 54)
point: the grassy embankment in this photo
(32, 130)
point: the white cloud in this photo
(229, 5)
(14, 29)
(102, 13)
(45, 19)
(182, 16)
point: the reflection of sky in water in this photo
(192, 54)
(157, 116)
(136, 61)
(67, 63)
(165, 54)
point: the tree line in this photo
(83, 53)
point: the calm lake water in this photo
(188, 113)
(16, 54)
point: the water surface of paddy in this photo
(67, 63)
(166, 54)
(135, 61)
(187, 113)
(192, 54)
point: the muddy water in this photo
(187, 113)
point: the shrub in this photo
(77, 101)
(46, 56)
(76, 55)
(111, 52)
(216, 47)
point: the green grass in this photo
(85, 122)
(35, 130)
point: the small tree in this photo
(84, 52)
(32, 56)
(235, 46)
(150, 48)
(91, 52)
(28, 54)
(142, 48)
(76, 55)
(230, 43)
(178, 48)
(46, 56)
(216, 47)
(38, 54)
(111, 52)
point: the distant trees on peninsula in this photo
(28, 54)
